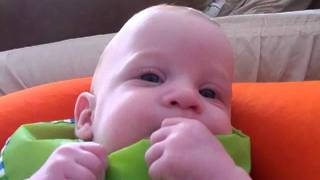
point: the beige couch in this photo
(267, 47)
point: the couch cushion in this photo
(31, 66)
(275, 47)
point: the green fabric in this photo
(31, 145)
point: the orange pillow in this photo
(282, 120)
(42, 103)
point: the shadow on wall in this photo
(315, 4)
(32, 22)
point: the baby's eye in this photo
(151, 77)
(207, 93)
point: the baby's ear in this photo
(83, 116)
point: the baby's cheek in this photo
(218, 121)
(138, 115)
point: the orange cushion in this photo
(42, 103)
(282, 120)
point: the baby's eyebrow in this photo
(145, 57)
(149, 57)
(219, 73)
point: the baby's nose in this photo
(185, 99)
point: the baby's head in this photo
(165, 62)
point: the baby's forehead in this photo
(146, 26)
(156, 61)
(171, 14)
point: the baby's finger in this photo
(154, 153)
(76, 171)
(96, 149)
(160, 135)
(172, 121)
(90, 161)
(156, 170)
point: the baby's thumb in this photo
(95, 148)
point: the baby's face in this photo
(163, 70)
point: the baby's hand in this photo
(185, 149)
(85, 160)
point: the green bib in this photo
(31, 145)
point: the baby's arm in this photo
(186, 149)
(85, 160)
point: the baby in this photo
(165, 76)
